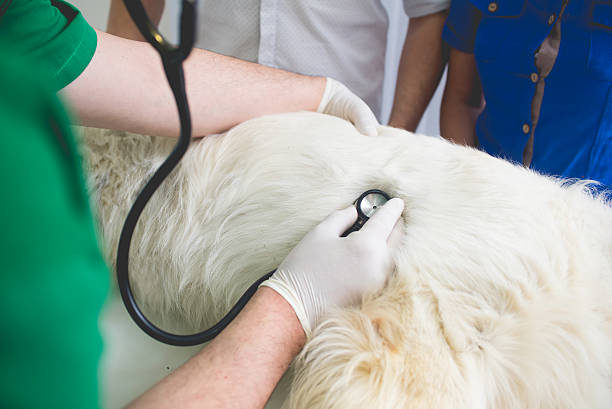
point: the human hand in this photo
(326, 270)
(339, 101)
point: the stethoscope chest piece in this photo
(367, 204)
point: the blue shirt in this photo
(573, 136)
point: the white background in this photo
(96, 12)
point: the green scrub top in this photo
(53, 281)
(53, 35)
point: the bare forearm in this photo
(120, 23)
(458, 121)
(239, 368)
(421, 66)
(462, 101)
(124, 87)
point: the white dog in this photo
(502, 295)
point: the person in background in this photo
(54, 282)
(342, 39)
(532, 82)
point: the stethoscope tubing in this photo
(172, 60)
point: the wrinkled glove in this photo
(339, 101)
(326, 270)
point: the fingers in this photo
(364, 120)
(382, 222)
(339, 101)
(340, 220)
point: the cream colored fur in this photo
(502, 296)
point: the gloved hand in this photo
(326, 270)
(339, 101)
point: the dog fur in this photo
(501, 296)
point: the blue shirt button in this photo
(526, 128)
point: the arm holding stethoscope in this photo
(242, 365)
(124, 87)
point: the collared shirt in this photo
(546, 73)
(342, 39)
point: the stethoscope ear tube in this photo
(156, 39)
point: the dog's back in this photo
(501, 296)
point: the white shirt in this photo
(342, 39)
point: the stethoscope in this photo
(172, 59)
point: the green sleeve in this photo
(53, 35)
(53, 281)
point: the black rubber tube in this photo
(172, 59)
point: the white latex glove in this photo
(326, 270)
(339, 101)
